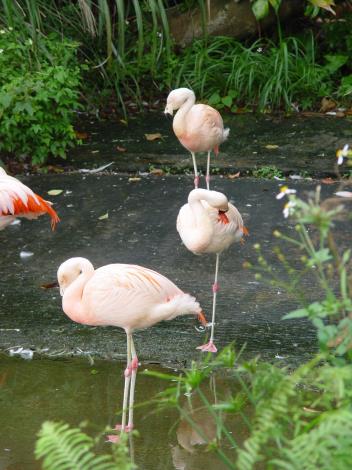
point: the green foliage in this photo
(328, 265)
(131, 52)
(65, 448)
(267, 172)
(263, 75)
(39, 92)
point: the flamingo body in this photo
(123, 295)
(203, 229)
(208, 223)
(18, 200)
(198, 127)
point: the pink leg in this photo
(210, 346)
(134, 366)
(128, 373)
(207, 177)
(196, 177)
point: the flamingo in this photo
(198, 127)
(209, 224)
(17, 200)
(123, 295)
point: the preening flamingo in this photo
(17, 200)
(209, 224)
(198, 127)
(123, 295)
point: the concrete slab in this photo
(141, 229)
(295, 144)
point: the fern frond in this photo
(65, 448)
(328, 445)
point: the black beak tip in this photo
(168, 115)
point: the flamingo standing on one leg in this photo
(209, 224)
(17, 200)
(123, 295)
(198, 127)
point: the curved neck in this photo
(179, 122)
(202, 222)
(72, 297)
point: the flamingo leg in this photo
(128, 372)
(196, 177)
(210, 346)
(134, 365)
(207, 177)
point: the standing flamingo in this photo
(17, 200)
(123, 295)
(198, 127)
(209, 224)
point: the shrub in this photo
(39, 92)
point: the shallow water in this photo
(74, 391)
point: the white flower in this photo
(260, 49)
(341, 154)
(2, 31)
(1, 51)
(285, 191)
(288, 209)
(10, 28)
(29, 42)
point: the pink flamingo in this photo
(123, 295)
(198, 127)
(17, 200)
(209, 224)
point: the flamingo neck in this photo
(202, 221)
(72, 298)
(179, 122)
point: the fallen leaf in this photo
(327, 181)
(95, 170)
(157, 172)
(95, 151)
(121, 149)
(327, 104)
(271, 146)
(55, 192)
(152, 137)
(81, 135)
(232, 176)
(103, 217)
(134, 179)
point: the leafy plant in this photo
(293, 420)
(263, 75)
(39, 94)
(62, 447)
(267, 172)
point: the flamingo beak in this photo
(168, 111)
(202, 319)
(223, 217)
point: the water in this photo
(74, 391)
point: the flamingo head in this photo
(177, 98)
(70, 270)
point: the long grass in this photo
(263, 75)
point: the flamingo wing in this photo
(17, 200)
(123, 295)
